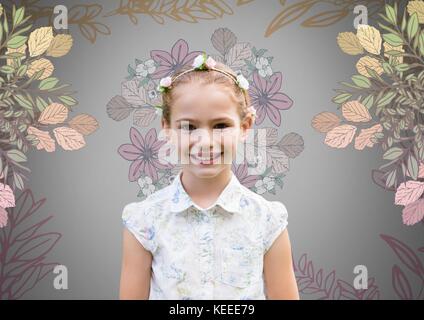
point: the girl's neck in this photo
(205, 191)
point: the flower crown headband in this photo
(202, 63)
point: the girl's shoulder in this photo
(152, 205)
(261, 202)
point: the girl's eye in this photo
(222, 125)
(189, 127)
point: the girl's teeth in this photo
(206, 159)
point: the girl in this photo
(206, 236)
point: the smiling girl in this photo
(206, 236)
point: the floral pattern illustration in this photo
(139, 97)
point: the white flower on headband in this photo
(242, 82)
(164, 83)
(210, 62)
(199, 61)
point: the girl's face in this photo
(206, 128)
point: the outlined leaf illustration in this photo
(364, 138)
(60, 45)
(418, 8)
(144, 117)
(271, 137)
(279, 160)
(118, 108)
(345, 291)
(92, 21)
(327, 13)
(401, 280)
(349, 43)
(368, 62)
(355, 111)
(68, 138)
(238, 54)
(132, 93)
(292, 144)
(289, 14)
(325, 121)
(370, 38)
(223, 39)
(340, 136)
(325, 19)
(43, 65)
(24, 248)
(242, 2)
(401, 284)
(390, 50)
(326, 286)
(408, 192)
(45, 141)
(413, 212)
(379, 179)
(84, 16)
(39, 40)
(7, 199)
(53, 114)
(84, 124)
(187, 11)
(405, 254)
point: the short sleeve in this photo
(140, 224)
(276, 222)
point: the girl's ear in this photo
(166, 127)
(164, 123)
(246, 124)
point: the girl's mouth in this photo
(205, 160)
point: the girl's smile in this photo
(206, 159)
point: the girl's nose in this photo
(206, 141)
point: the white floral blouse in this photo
(213, 253)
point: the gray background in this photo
(336, 212)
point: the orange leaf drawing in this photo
(325, 121)
(364, 137)
(84, 124)
(341, 136)
(53, 114)
(68, 138)
(371, 63)
(355, 111)
(38, 65)
(45, 141)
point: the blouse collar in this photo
(229, 199)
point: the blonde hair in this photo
(206, 77)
